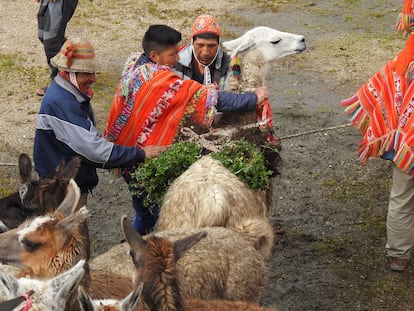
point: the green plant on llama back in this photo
(156, 175)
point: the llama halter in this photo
(28, 304)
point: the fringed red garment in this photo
(405, 21)
(382, 110)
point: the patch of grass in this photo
(8, 182)
(349, 190)
(7, 62)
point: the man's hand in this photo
(262, 93)
(152, 151)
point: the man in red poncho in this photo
(382, 110)
(152, 103)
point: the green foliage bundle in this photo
(156, 175)
(245, 161)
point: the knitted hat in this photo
(76, 55)
(205, 24)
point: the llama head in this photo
(127, 304)
(272, 43)
(48, 245)
(36, 197)
(46, 194)
(52, 294)
(155, 256)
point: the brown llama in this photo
(218, 267)
(155, 265)
(48, 245)
(35, 197)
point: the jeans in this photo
(145, 218)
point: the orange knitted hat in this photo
(205, 24)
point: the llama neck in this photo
(254, 70)
(161, 288)
(76, 248)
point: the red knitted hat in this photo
(205, 24)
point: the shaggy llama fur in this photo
(155, 265)
(208, 194)
(224, 265)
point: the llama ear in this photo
(71, 223)
(63, 285)
(134, 239)
(183, 245)
(58, 169)
(25, 168)
(10, 284)
(130, 301)
(70, 202)
(70, 170)
(239, 45)
(85, 301)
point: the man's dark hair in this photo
(207, 35)
(159, 37)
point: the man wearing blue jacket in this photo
(66, 122)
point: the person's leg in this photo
(145, 218)
(53, 18)
(400, 218)
(59, 12)
(43, 21)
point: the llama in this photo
(218, 198)
(155, 265)
(267, 45)
(39, 240)
(57, 293)
(252, 54)
(208, 194)
(48, 245)
(227, 264)
(254, 51)
(35, 197)
(215, 268)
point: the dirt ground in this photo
(329, 211)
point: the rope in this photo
(212, 147)
(315, 131)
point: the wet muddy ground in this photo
(330, 211)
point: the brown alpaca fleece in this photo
(217, 267)
(106, 285)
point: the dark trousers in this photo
(145, 218)
(52, 19)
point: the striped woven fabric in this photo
(152, 103)
(382, 111)
(405, 21)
